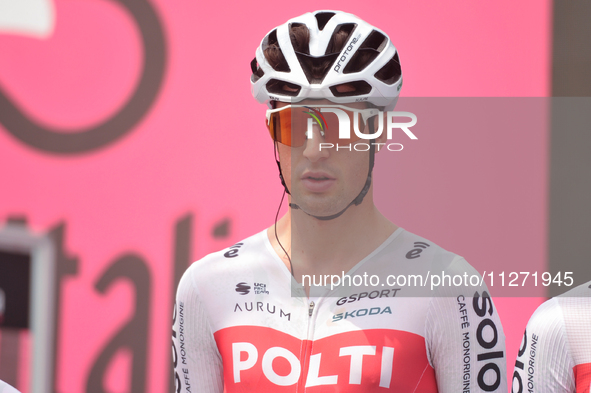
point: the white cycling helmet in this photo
(364, 68)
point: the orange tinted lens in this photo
(282, 125)
(299, 125)
(289, 126)
(331, 134)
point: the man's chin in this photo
(317, 208)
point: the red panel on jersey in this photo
(378, 360)
(583, 377)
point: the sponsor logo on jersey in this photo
(242, 288)
(233, 251)
(362, 312)
(417, 250)
(261, 307)
(263, 359)
(530, 366)
(487, 347)
(368, 295)
(179, 355)
(259, 288)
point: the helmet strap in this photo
(279, 166)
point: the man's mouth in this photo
(317, 176)
(317, 181)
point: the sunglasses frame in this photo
(365, 113)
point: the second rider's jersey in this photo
(6, 388)
(555, 353)
(238, 327)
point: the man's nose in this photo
(314, 149)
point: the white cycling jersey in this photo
(237, 327)
(555, 353)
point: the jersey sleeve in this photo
(196, 360)
(544, 364)
(465, 338)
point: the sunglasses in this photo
(292, 125)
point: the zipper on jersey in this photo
(305, 349)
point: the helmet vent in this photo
(257, 72)
(367, 52)
(299, 36)
(375, 40)
(283, 88)
(339, 38)
(391, 72)
(273, 53)
(323, 18)
(351, 89)
(316, 68)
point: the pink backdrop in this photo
(202, 145)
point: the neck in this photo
(332, 246)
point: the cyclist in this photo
(245, 318)
(555, 353)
